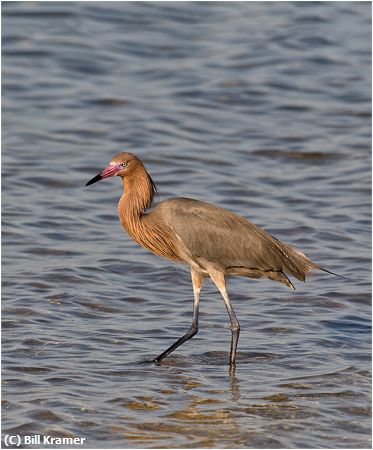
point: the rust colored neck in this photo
(147, 229)
(137, 197)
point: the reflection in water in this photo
(235, 386)
(202, 417)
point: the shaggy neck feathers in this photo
(147, 229)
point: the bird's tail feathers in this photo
(332, 273)
(295, 262)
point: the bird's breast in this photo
(152, 234)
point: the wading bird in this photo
(214, 241)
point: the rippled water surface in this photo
(263, 108)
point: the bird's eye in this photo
(122, 165)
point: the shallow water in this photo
(263, 108)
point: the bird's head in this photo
(122, 165)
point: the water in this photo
(263, 108)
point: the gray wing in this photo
(230, 241)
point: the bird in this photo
(215, 242)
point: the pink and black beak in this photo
(110, 171)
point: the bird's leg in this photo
(219, 280)
(197, 280)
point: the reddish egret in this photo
(213, 241)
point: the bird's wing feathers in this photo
(228, 240)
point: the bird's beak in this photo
(110, 171)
